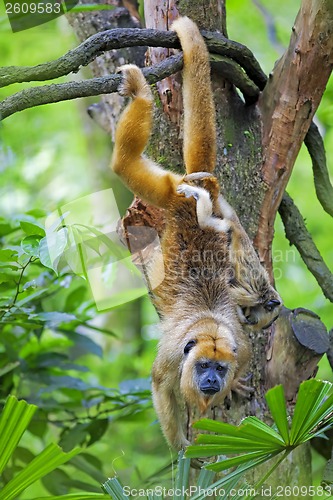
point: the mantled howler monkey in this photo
(214, 284)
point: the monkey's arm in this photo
(141, 175)
(165, 376)
(199, 110)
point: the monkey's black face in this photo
(262, 314)
(210, 376)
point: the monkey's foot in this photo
(240, 387)
(133, 83)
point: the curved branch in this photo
(324, 189)
(234, 73)
(298, 235)
(130, 37)
(47, 94)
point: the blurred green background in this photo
(55, 154)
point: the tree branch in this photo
(130, 37)
(288, 104)
(324, 188)
(47, 94)
(298, 235)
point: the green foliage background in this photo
(53, 155)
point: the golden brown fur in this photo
(204, 295)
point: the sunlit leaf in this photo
(30, 245)
(14, 420)
(310, 408)
(32, 229)
(115, 489)
(45, 462)
(277, 404)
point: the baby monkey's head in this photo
(209, 364)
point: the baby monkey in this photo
(213, 283)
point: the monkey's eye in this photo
(220, 368)
(204, 366)
(271, 305)
(189, 346)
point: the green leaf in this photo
(229, 444)
(30, 245)
(14, 420)
(56, 482)
(205, 478)
(115, 489)
(183, 473)
(37, 213)
(90, 465)
(277, 404)
(75, 299)
(53, 318)
(48, 460)
(32, 229)
(52, 247)
(251, 428)
(307, 413)
(241, 459)
(8, 255)
(9, 367)
(97, 429)
(7, 277)
(76, 496)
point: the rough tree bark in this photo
(257, 147)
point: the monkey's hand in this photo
(133, 83)
(204, 208)
(240, 387)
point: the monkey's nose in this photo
(272, 304)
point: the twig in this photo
(298, 235)
(47, 94)
(130, 37)
(324, 188)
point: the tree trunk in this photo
(257, 147)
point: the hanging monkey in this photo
(214, 285)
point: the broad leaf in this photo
(277, 404)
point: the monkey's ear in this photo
(189, 346)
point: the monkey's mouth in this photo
(209, 391)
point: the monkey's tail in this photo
(199, 110)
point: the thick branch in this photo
(288, 104)
(324, 188)
(47, 94)
(298, 235)
(131, 37)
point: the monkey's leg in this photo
(142, 176)
(199, 110)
